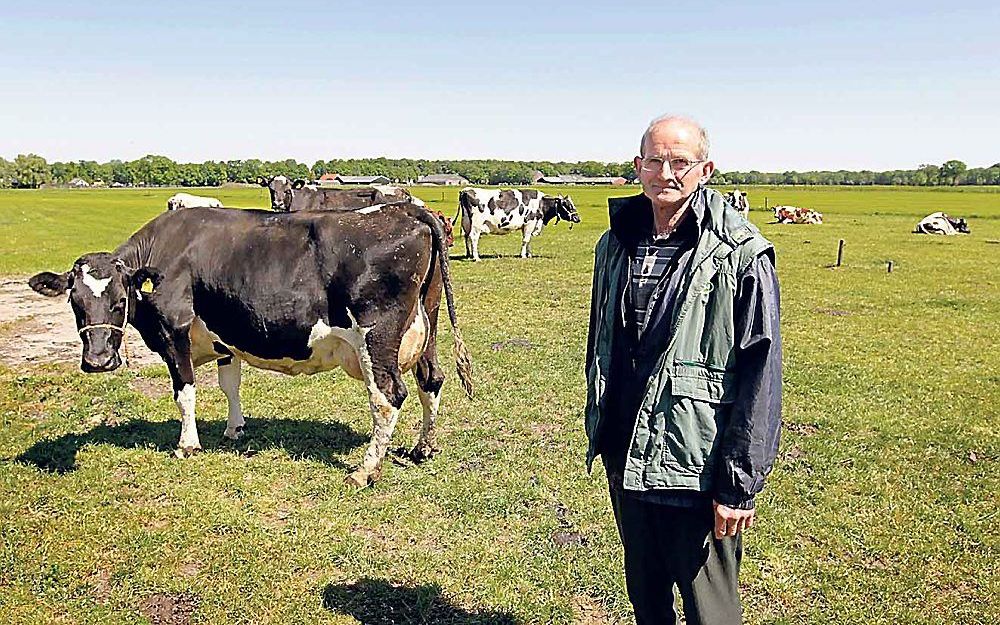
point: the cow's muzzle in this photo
(100, 363)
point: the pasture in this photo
(883, 506)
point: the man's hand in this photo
(730, 521)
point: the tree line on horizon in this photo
(30, 171)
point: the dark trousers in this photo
(668, 546)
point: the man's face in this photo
(670, 168)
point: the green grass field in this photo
(883, 507)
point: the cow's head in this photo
(101, 292)
(280, 189)
(559, 207)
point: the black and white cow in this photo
(294, 196)
(941, 223)
(738, 199)
(495, 211)
(297, 293)
(186, 200)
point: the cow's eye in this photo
(119, 306)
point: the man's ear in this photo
(637, 163)
(707, 168)
(51, 284)
(146, 279)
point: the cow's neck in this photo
(134, 252)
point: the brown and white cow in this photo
(298, 195)
(496, 211)
(797, 215)
(297, 293)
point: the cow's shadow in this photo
(379, 602)
(306, 439)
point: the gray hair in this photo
(703, 143)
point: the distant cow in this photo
(940, 223)
(495, 211)
(797, 215)
(298, 195)
(297, 293)
(186, 200)
(739, 201)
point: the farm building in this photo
(327, 178)
(443, 179)
(361, 180)
(78, 183)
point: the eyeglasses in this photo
(655, 164)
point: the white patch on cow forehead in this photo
(369, 209)
(96, 285)
(280, 179)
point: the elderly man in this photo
(684, 378)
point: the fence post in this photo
(840, 252)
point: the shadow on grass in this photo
(304, 439)
(378, 602)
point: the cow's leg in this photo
(378, 356)
(525, 243)
(466, 229)
(229, 382)
(474, 239)
(430, 378)
(178, 358)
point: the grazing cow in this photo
(296, 293)
(297, 196)
(940, 223)
(796, 215)
(186, 200)
(495, 211)
(739, 201)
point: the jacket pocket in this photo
(702, 382)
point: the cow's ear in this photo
(299, 183)
(146, 279)
(51, 284)
(261, 181)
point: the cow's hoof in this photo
(358, 479)
(186, 452)
(422, 453)
(234, 434)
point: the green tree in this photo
(30, 171)
(950, 171)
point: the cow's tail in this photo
(461, 207)
(463, 362)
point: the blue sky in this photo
(779, 85)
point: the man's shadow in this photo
(313, 440)
(379, 602)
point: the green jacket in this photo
(689, 396)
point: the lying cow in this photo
(186, 200)
(295, 293)
(796, 215)
(739, 201)
(294, 196)
(494, 211)
(940, 223)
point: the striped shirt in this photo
(653, 258)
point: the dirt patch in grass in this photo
(587, 611)
(805, 429)
(170, 608)
(39, 329)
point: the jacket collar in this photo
(632, 217)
